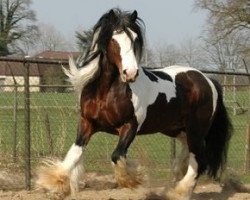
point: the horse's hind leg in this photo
(196, 163)
(181, 162)
(185, 186)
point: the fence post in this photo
(48, 130)
(15, 124)
(27, 127)
(172, 150)
(247, 150)
(234, 96)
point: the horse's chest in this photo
(110, 111)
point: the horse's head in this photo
(120, 39)
(121, 53)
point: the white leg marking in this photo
(73, 156)
(73, 163)
(189, 178)
(76, 175)
(185, 187)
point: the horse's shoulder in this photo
(169, 69)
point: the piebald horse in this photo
(120, 97)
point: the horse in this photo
(120, 97)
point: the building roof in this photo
(17, 69)
(9, 68)
(57, 55)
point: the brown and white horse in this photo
(120, 97)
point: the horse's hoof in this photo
(129, 174)
(179, 193)
(53, 178)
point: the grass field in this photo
(54, 118)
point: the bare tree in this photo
(227, 16)
(191, 53)
(16, 24)
(148, 58)
(167, 55)
(27, 44)
(226, 53)
(51, 39)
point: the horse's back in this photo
(174, 70)
(189, 78)
(199, 88)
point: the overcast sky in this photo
(167, 21)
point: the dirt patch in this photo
(104, 188)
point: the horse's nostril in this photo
(124, 71)
(137, 73)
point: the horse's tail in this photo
(218, 137)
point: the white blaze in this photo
(128, 58)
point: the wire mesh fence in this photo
(39, 113)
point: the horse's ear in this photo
(111, 13)
(134, 16)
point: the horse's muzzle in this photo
(129, 75)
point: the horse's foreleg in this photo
(127, 174)
(73, 161)
(63, 177)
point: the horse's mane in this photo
(87, 65)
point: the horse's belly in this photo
(164, 123)
(162, 116)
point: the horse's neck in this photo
(106, 78)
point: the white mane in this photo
(80, 77)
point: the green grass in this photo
(153, 151)
(39, 99)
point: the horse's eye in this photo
(136, 44)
